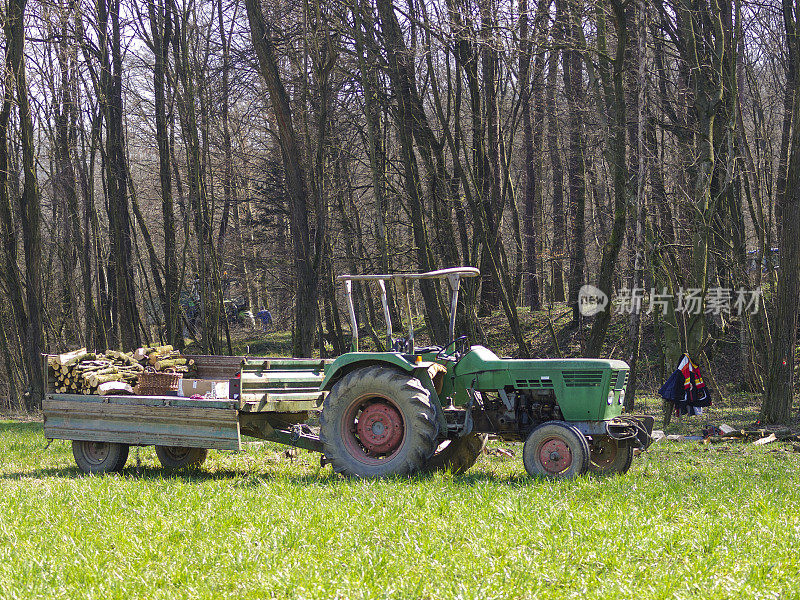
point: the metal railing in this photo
(403, 281)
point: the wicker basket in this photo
(158, 384)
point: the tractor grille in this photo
(621, 378)
(582, 378)
(534, 384)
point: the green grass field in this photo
(687, 521)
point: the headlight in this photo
(611, 397)
(622, 396)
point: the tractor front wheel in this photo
(457, 455)
(555, 450)
(610, 456)
(378, 421)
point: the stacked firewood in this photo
(162, 358)
(112, 372)
(82, 372)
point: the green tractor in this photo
(423, 409)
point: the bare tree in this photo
(307, 245)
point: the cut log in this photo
(84, 373)
(159, 356)
(765, 440)
(63, 358)
(96, 380)
(114, 388)
(157, 353)
(170, 362)
(120, 356)
(106, 371)
(129, 368)
(143, 352)
(78, 358)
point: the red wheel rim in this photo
(555, 455)
(604, 451)
(373, 429)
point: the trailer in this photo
(269, 398)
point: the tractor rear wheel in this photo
(99, 457)
(178, 457)
(555, 450)
(457, 455)
(378, 421)
(610, 456)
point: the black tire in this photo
(393, 414)
(586, 447)
(178, 457)
(99, 457)
(457, 455)
(555, 450)
(609, 456)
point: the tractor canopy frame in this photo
(403, 282)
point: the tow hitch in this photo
(638, 427)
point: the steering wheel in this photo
(459, 347)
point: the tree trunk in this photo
(409, 116)
(490, 294)
(161, 32)
(643, 160)
(9, 217)
(779, 391)
(367, 64)
(615, 103)
(65, 185)
(208, 279)
(30, 207)
(781, 190)
(125, 332)
(559, 235)
(532, 194)
(573, 89)
(305, 258)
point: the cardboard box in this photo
(202, 387)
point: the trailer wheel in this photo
(178, 457)
(457, 455)
(99, 457)
(555, 450)
(610, 456)
(378, 421)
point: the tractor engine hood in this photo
(587, 389)
(480, 359)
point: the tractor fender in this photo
(351, 361)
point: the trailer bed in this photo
(269, 397)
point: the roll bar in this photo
(402, 280)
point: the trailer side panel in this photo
(143, 420)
